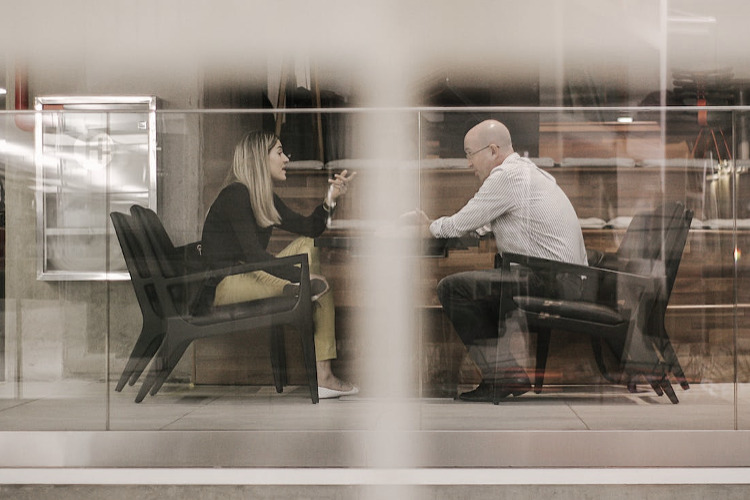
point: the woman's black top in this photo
(232, 236)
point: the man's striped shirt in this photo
(526, 210)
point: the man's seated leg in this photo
(471, 300)
(500, 361)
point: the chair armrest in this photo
(299, 259)
(643, 267)
(589, 279)
(291, 260)
(541, 263)
(204, 282)
(189, 248)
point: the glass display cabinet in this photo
(94, 155)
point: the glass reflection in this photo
(66, 344)
(54, 334)
(628, 169)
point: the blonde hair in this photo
(250, 167)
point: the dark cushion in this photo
(576, 310)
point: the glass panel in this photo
(742, 243)
(363, 249)
(54, 338)
(572, 100)
(63, 340)
(611, 172)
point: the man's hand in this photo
(415, 218)
(419, 219)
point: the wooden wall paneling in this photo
(700, 318)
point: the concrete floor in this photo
(75, 405)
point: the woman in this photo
(238, 228)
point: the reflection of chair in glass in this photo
(172, 290)
(622, 302)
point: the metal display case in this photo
(94, 155)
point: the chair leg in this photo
(142, 362)
(631, 385)
(282, 358)
(128, 371)
(656, 386)
(164, 361)
(662, 385)
(667, 388)
(664, 347)
(308, 354)
(156, 366)
(670, 358)
(138, 360)
(542, 350)
(278, 357)
(596, 346)
(173, 357)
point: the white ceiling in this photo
(631, 43)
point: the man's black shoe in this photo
(488, 392)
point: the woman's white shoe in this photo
(325, 393)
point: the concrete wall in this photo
(59, 329)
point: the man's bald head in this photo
(487, 145)
(493, 132)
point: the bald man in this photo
(528, 214)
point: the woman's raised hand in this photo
(339, 184)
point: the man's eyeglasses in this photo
(469, 155)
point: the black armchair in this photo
(186, 257)
(654, 242)
(170, 290)
(621, 302)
